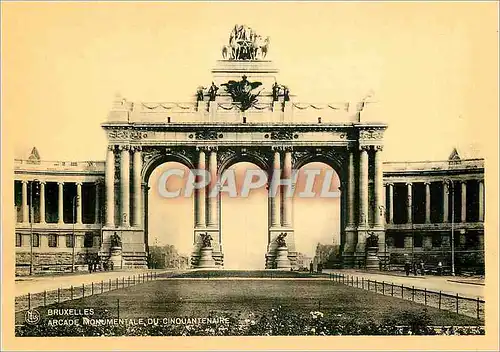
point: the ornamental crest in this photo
(243, 92)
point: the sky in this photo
(63, 63)
(431, 66)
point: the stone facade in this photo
(428, 201)
(268, 127)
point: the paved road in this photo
(435, 283)
(430, 282)
(35, 284)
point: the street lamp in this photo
(76, 199)
(450, 183)
(410, 211)
(32, 218)
(383, 212)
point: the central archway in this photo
(169, 237)
(244, 223)
(317, 216)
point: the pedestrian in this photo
(407, 268)
(414, 269)
(440, 268)
(311, 267)
(422, 268)
(111, 266)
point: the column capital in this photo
(409, 183)
(364, 148)
(204, 148)
(79, 183)
(111, 147)
(42, 182)
(378, 148)
(388, 184)
(60, 183)
(427, 183)
(136, 148)
(24, 182)
(282, 148)
(124, 147)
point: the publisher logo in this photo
(32, 316)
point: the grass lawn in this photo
(253, 298)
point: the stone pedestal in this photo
(372, 260)
(116, 257)
(282, 261)
(206, 260)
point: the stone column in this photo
(446, 206)
(79, 201)
(287, 200)
(409, 202)
(60, 203)
(125, 185)
(363, 186)
(200, 200)
(275, 199)
(137, 203)
(351, 185)
(110, 186)
(42, 202)
(25, 200)
(427, 202)
(97, 205)
(463, 203)
(391, 203)
(481, 200)
(213, 202)
(378, 188)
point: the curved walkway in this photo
(36, 284)
(429, 282)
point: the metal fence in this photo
(461, 305)
(48, 297)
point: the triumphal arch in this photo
(245, 114)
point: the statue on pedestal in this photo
(276, 91)
(206, 240)
(199, 94)
(280, 240)
(372, 240)
(116, 241)
(206, 260)
(281, 261)
(212, 91)
(286, 93)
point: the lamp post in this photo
(408, 202)
(32, 218)
(74, 202)
(450, 183)
(383, 212)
